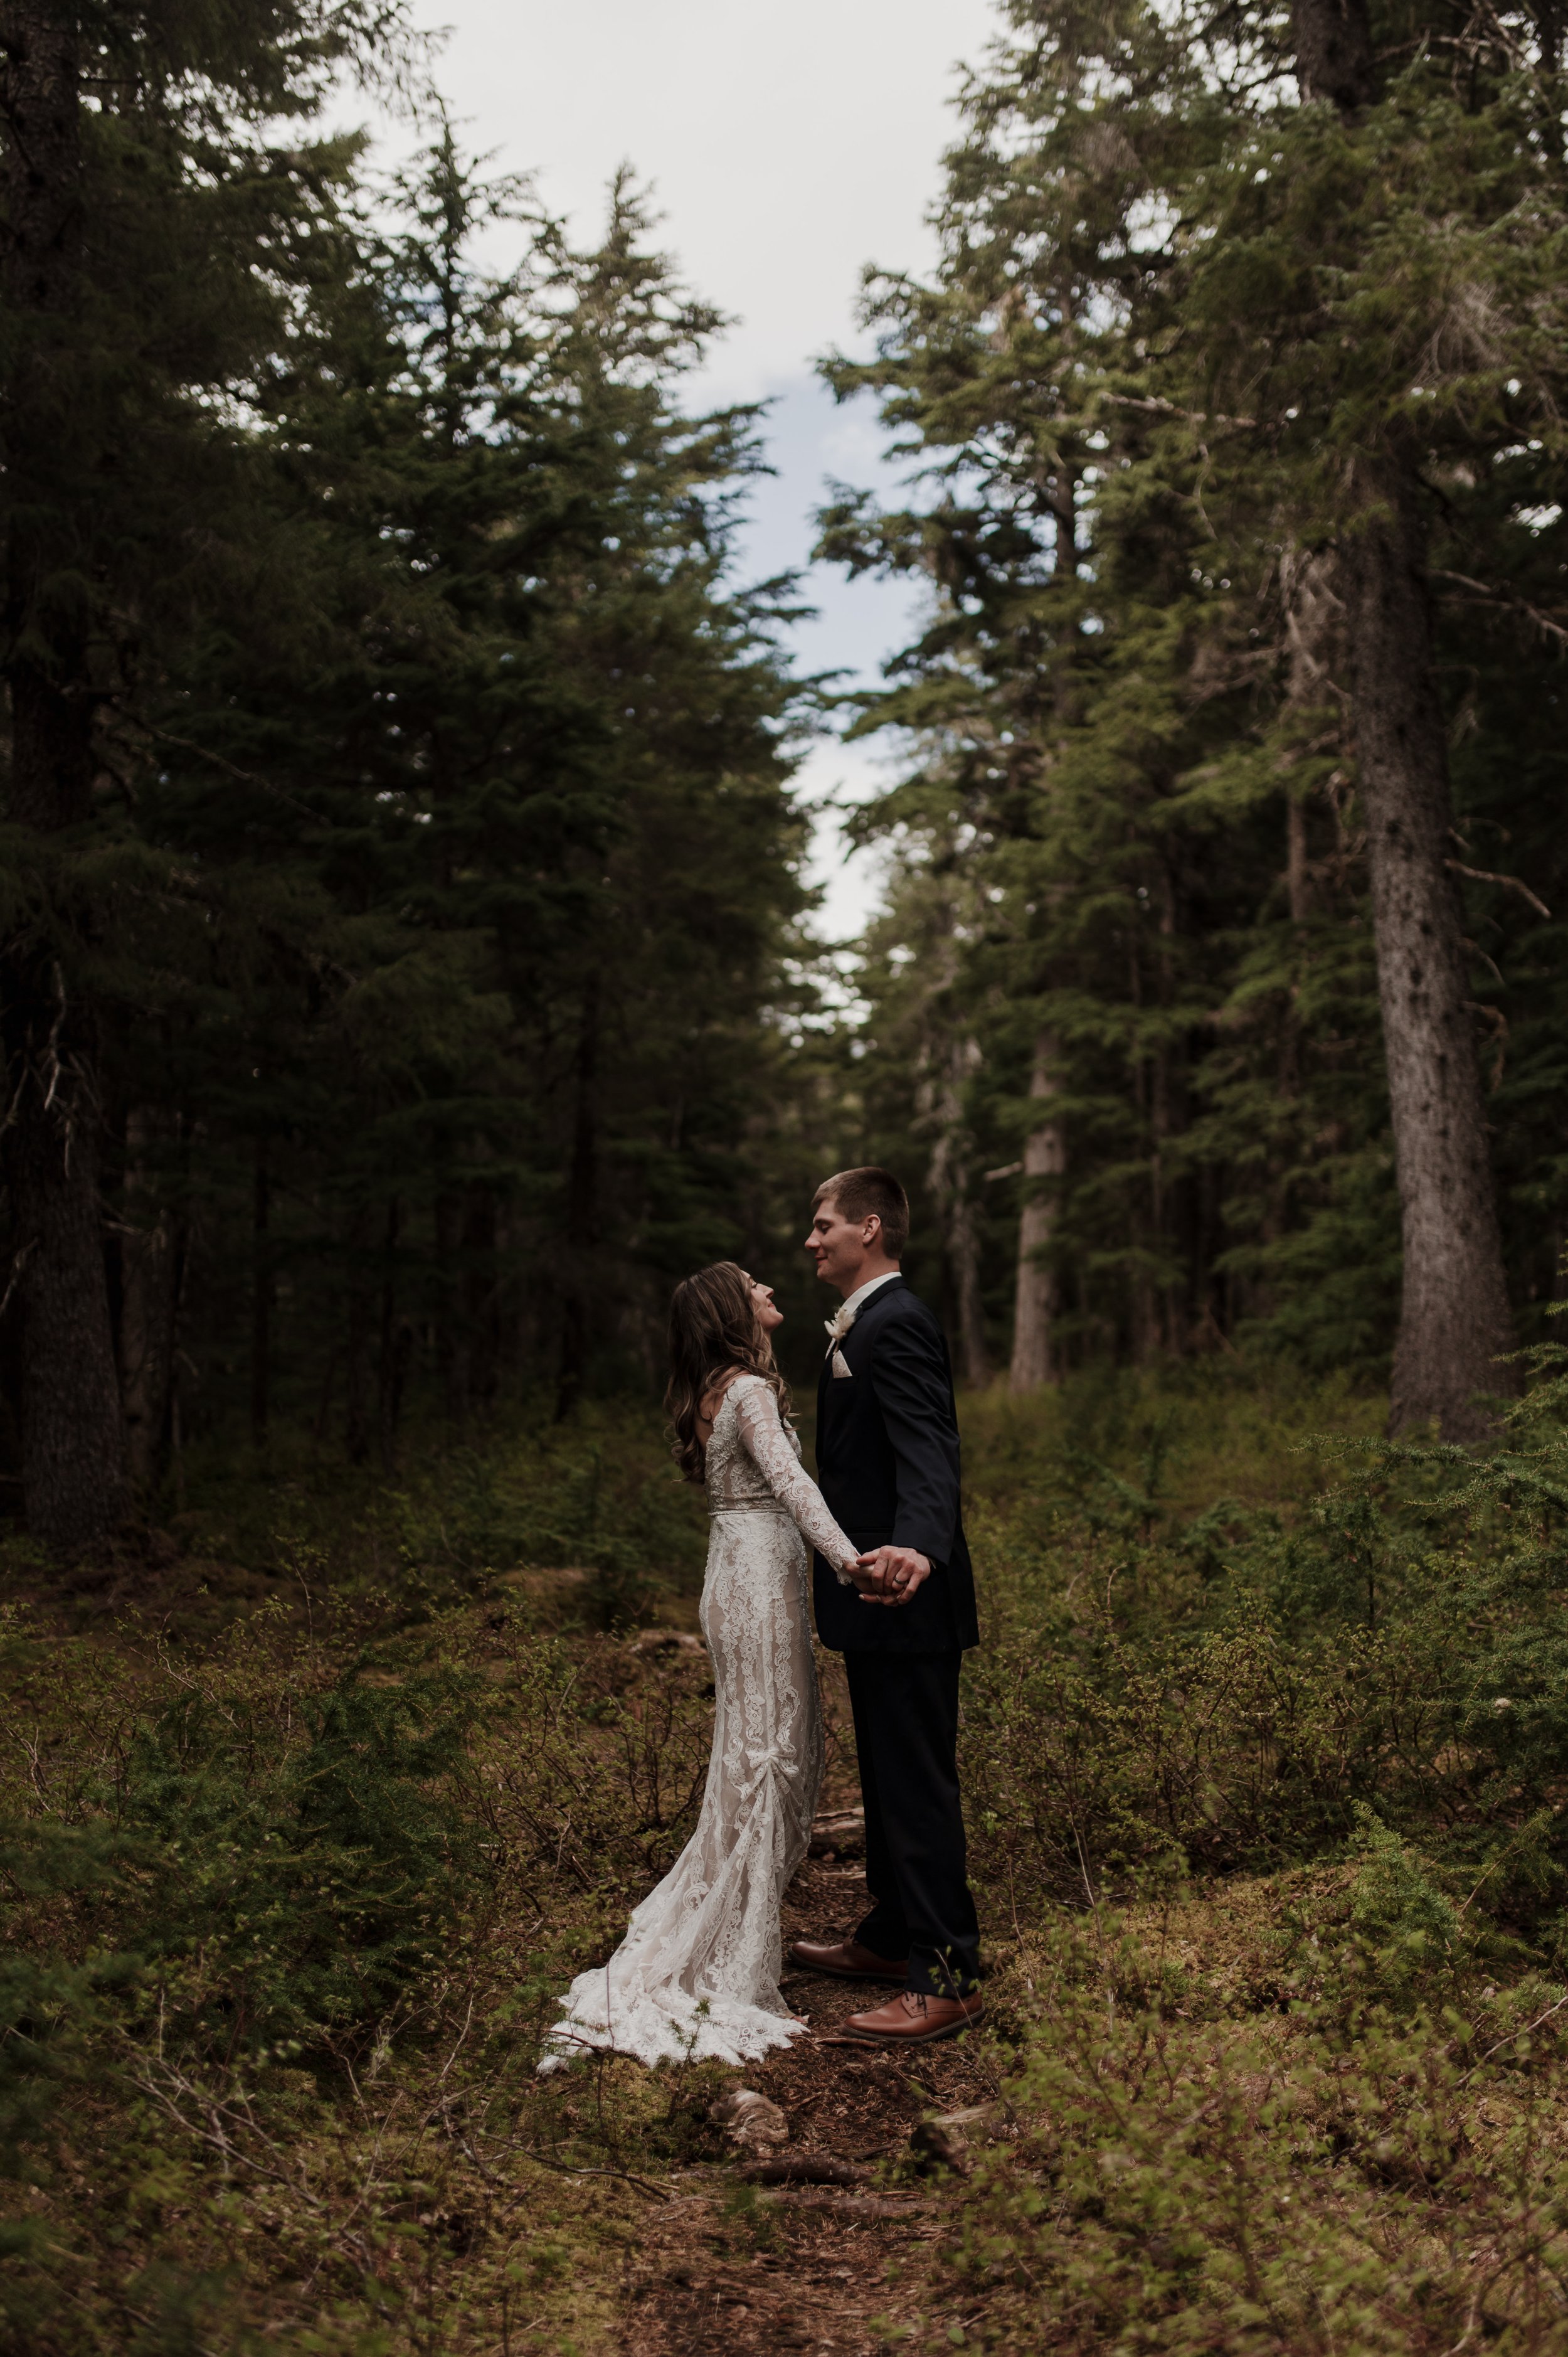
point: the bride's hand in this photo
(890, 1575)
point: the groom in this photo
(888, 1463)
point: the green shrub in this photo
(1338, 2179)
(598, 1494)
(290, 1896)
(1407, 1930)
(1237, 1689)
(49, 2005)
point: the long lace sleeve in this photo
(771, 1451)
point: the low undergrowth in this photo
(1241, 1688)
(1267, 1796)
(285, 1920)
(1346, 2167)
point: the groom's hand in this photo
(890, 1575)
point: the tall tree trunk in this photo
(73, 1474)
(73, 1471)
(396, 1344)
(356, 1345)
(479, 1293)
(1454, 1323)
(1333, 44)
(582, 1211)
(1035, 1304)
(964, 1246)
(182, 1245)
(261, 1294)
(1173, 1206)
(1298, 884)
(146, 1264)
(955, 1204)
(1032, 1361)
(452, 1351)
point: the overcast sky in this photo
(786, 146)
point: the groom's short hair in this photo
(856, 1194)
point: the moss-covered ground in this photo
(314, 1801)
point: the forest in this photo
(408, 969)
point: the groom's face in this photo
(841, 1247)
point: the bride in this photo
(697, 1972)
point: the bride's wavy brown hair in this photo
(713, 1333)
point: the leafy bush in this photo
(45, 2001)
(290, 1848)
(1338, 2178)
(600, 1494)
(1238, 1690)
(1303, 2097)
(299, 1895)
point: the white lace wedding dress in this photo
(697, 1974)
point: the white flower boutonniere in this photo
(836, 1328)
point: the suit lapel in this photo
(864, 1330)
(856, 1348)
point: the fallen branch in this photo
(848, 2205)
(625, 2176)
(841, 1833)
(806, 2168)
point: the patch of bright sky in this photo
(787, 147)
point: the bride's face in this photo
(769, 1314)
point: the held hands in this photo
(888, 1574)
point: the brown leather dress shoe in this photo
(847, 1961)
(913, 2018)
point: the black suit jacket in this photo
(888, 1461)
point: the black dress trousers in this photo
(906, 1733)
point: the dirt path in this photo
(724, 2266)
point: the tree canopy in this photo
(400, 965)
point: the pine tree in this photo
(511, 817)
(1358, 165)
(1200, 339)
(152, 242)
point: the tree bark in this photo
(452, 1353)
(357, 1346)
(261, 1294)
(1035, 1303)
(955, 1204)
(146, 1309)
(582, 1212)
(1297, 881)
(74, 1472)
(1454, 1323)
(73, 1483)
(480, 1306)
(1332, 45)
(396, 1344)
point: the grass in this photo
(305, 1823)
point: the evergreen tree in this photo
(1161, 370)
(399, 848)
(524, 793)
(155, 242)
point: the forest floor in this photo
(305, 1825)
(814, 2267)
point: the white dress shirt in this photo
(843, 1317)
(854, 1301)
